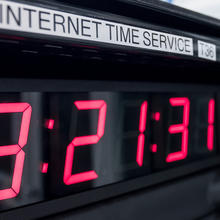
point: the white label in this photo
(206, 50)
(31, 19)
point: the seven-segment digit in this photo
(68, 178)
(141, 137)
(180, 128)
(16, 149)
(210, 131)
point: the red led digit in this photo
(7, 150)
(211, 118)
(68, 178)
(180, 128)
(141, 137)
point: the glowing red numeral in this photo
(68, 178)
(16, 149)
(180, 128)
(210, 132)
(141, 137)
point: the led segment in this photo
(44, 167)
(49, 124)
(68, 178)
(153, 148)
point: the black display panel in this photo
(57, 144)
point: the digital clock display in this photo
(57, 144)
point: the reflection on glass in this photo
(210, 8)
